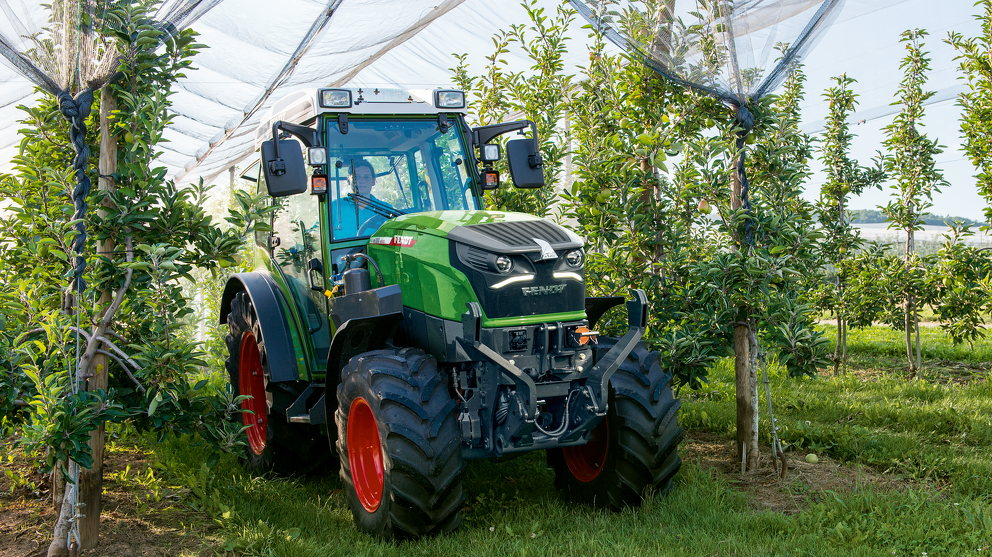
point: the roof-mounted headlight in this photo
(334, 98)
(449, 99)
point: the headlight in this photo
(335, 98)
(574, 258)
(317, 156)
(504, 264)
(449, 99)
(490, 152)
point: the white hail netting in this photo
(735, 50)
(258, 51)
(727, 48)
(58, 47)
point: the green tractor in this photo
(392, 316)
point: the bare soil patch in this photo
(141, 515)
(804, 483)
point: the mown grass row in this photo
(931, 432)
(938, 436)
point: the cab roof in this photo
(303, 106)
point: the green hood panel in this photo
(415, 252)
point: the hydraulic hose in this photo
(378, 273)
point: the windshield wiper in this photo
(376, 206)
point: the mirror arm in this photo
(308, 136)
(535, 160)
(485, 133)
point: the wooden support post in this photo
(742, 361)
(91, 481)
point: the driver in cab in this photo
(359, 213)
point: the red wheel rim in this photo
(587, 461)
(251, 380)
(365, 454)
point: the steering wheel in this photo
(371, 225)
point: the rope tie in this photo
(745, 120)
(76, 110)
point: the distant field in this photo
(881, 232)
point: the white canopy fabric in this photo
(409, 43)
(258, 52)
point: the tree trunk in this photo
(910, 304)
(60, 546)
(840, 347)
(91, 481)
(919, 355)
(843, 362)
(742, 373)
(58, 489)
(837, 347)
(753, 453)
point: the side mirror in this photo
(285, 173)
(526, 166)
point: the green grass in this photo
(934, 435)
(929, 430)
(886, 342)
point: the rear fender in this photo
(265, 297)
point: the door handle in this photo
(318, 266)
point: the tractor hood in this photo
(502, 232)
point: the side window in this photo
(428, 197)
(297, 226)
(261, 236)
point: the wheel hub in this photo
(365, 455)
(251, 380)
(587, 461)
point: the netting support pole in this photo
(744, 363)
(91, 481)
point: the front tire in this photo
(633, 451)
(399, 445)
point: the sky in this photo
(863, 42)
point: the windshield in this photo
(384, 168)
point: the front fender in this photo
(268, 303)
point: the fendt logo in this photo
(543, 290)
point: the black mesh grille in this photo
(522, 234)
(478, 259)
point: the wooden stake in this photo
(742, 360)
(91, 481)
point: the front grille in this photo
(521, 234)
(478, 258)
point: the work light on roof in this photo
(449, 99)
(335, 98)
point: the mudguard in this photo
(358, 335)
(596, 307)
(265, 297)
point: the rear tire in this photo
(272, 442)
(633, 451)
(399, 445)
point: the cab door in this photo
(295, 250)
